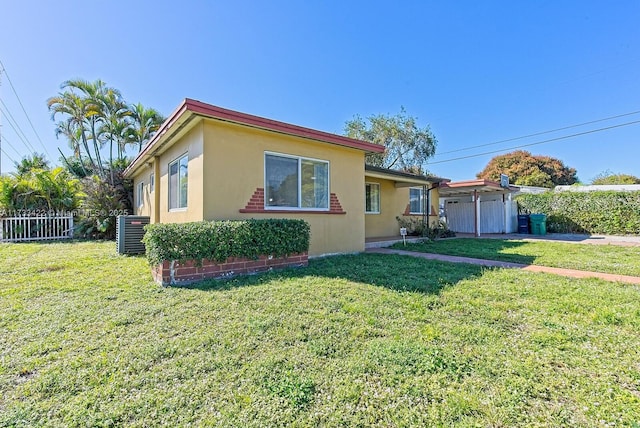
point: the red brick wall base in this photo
(175, 273)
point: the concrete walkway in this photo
(569, 238)
(573, 273)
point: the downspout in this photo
(428, 210)
(425, 214)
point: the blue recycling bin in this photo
(523, 223)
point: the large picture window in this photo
(416, 200)
(178, 181)
(372, 198)
(294, 182)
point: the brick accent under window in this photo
(256, 205)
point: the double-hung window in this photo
(152, 182)
(178, 182)
(295, 182)
(372, 198)
(140, 195)
(416, 200)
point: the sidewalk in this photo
(570, 238)
(572, 273)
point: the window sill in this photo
(372, 212)
(292, 211)
(177, 210)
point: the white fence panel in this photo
(493, 214)
(36, 228)
(460, 217)
(492, 217)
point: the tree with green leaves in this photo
(40, 190)
(525, 169)
(97, 121)
(146, 121)
(408, 147)
(34, 162)
(94, 115)
(609, 177)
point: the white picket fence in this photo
(36, 228)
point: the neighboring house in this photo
(479, 206)
(210, 163)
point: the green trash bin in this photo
(538, 224)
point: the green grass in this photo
(597, 258)
(86, 339)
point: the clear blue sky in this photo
(476, 72)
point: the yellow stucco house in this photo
(210, 163)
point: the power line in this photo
(18, 130)
(23, 109)
(538, 142)
(4, 140)
(539, 133)
(7, 155)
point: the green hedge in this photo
(219, 240)
(609, 213)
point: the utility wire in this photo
(16, 128)
(23, 109)
(4, 140)
(7, 155)
(539, 133)
(539, 142)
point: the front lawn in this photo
(87, 339)
(597, 258)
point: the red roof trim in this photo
(274, 125)
(214, 112)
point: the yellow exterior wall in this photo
(393, 203)
(233, 169)
(192, 145)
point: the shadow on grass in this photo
(400, 273)
(488, 249)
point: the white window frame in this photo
(421, 200)
(299, 159)
(152, 182)
(140, 195)
(371, 183)
(177, 160)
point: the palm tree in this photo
(146, 121)
(76, 109)
(114, 124)
(92, 92)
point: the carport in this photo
(479, 206)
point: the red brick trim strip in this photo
(175, 273)
(256, 205)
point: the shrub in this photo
(418, 227)
(39, 190)
(612, 213)
(102, 203)
(219, 240)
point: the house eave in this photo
(181, 117)
(402, 179)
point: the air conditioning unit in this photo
(129, 233)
